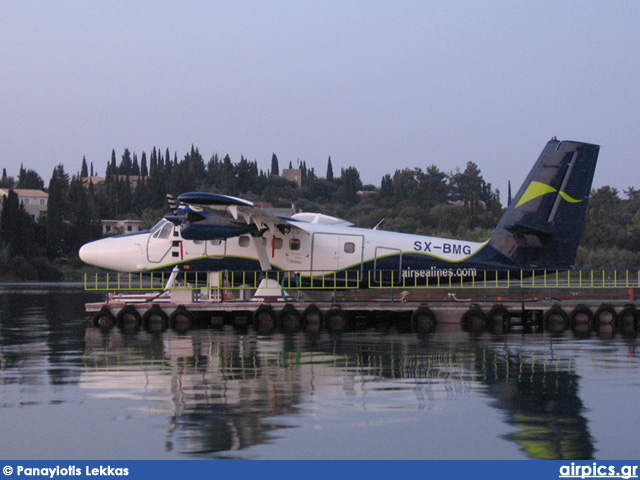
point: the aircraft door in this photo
(160, 243)
(387, 265)
(333, 251)
(216, 248)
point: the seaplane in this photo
(208, 232)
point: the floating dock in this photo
(592, 301)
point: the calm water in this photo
(68, 391)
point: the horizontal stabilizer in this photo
(523, 228)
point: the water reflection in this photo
(40, 333)
(218, 387)
(223, 394)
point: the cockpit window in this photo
(165, 231)
(157, 226)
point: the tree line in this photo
(430, 201)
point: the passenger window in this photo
(244, 241)
(277, 244)
(198, 242)
(349, 247)
(294, 244)
(215, 243)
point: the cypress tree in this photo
(135, 168)
(126, 165)
(329, 170)
(6, 182)
(16, 227)
(9, 221)
(275, 169)
(79, 214)
(112, 168)
(143, 165)
(29, 179)
(84, 171)
(55, 208)
(351, 183)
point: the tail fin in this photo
(542, 225)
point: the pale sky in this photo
(376, 85)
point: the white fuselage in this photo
(312, 247)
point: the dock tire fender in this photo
(312, 316)
(181, 319)
(129, 316)
(336, 319)
(264, 320)
(153, 316)
(581, 315)
(423, 320)
(605, 315)
(289, 319)
(499, 315)
(474, 320)
(628, 319)
(556, 316)
(104, 319)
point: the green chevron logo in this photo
(538, 189)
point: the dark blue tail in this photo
(541, 227)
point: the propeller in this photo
(171, 204)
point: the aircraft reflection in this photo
(218, 388)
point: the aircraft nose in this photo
(115, 253)
(89, 253)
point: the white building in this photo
(118, 227)
(34, 201)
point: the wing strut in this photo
(261, 250)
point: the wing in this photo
(208, 216)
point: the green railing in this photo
(353, 279)
(504, 279)
(228, 280)
(143, 281)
